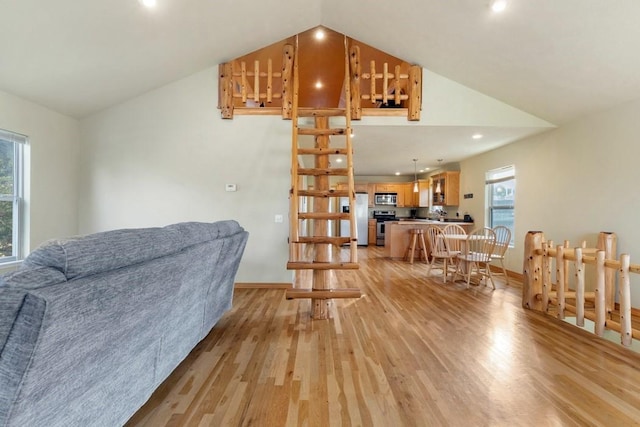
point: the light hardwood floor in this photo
(411, 352)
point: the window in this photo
(11, 150)
(501, 191)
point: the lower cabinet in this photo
(372, 232)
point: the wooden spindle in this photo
(373, 81)
(243, 82)
(560, 276)
(256, 81)
(625, 301)
(396, 86)
(566, 268)
(607, 242)
(269, 80)
(385, 82)
(600, 303)
(546, 277)
(579, 267)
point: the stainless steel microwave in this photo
(386, 199)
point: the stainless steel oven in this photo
(381, 217)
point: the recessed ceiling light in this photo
(319, 34)
(397, 173)
(339, 160)
(318, 84)
(477, 136)
(498, 5)
(149, 3)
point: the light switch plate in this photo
(230, 187)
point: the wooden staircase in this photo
(320, 134)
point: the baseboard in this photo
(518, 276)
(260, 285)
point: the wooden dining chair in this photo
(476, 256)
(439, 251)
(503, 238)
(454, 245)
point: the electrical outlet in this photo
(279, 218)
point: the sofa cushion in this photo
(96, 253)
(198, 232)
(33, 278)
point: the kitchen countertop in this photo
(396, 237)
(409, 221)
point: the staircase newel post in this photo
(532, 270)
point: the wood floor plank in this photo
(413, 351)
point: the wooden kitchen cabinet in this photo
(409, 198)
(449, 185)
(361, 187)
(423, 193)
(371, 189)
(386, 188)
(372, 232)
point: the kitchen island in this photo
(396, 238)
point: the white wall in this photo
(571, 183)
(166, 156)
(52, 167)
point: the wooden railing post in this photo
(225, 87)
(561, 269)
(415, 93)
(355, 73)
(579, 267)
(625, 301)
(607, 243)
(532, 270)
(546, 276)
(600, 304)
(288, 55)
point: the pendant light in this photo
(438, 188)
(415, 176)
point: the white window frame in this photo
(496, 176)
(19, 142)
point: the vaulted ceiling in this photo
(556, 60)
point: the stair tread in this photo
(315, 131)
(325, 239)
(323, 293)
(315, 265)
(323, 171)
(321, 112)
(324, 193)
(323, 215)
(302, 151)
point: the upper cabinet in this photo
(422, 197)
(446, 188)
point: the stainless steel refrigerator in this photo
(362, 218)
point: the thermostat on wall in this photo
(230, 187)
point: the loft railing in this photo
(255, 88)
(567, 295)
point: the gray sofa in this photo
(90, 326)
